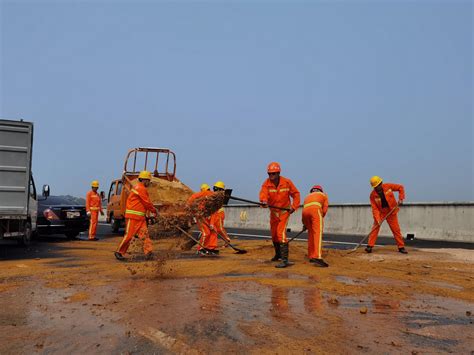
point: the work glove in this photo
(263, 204)
(400, 202)
(88, 213)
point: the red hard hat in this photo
(273, 167)
(319, 187)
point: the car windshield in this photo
(62, 201)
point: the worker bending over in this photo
(384, 205)
(217, 218)
(315, 208)
(276, 191)
(138, 204)
(93, 207)
(203, 222)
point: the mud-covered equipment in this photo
(375, 181)
(168, 194)
(95, 183)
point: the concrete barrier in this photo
(451, 221)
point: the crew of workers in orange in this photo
(138, 204)
(93, 208)
(283, 198)
(277, 193)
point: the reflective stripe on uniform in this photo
(221, 209)
(284, 190)
(137, 213)
(320, 236)
(135, 191)
(94, 208)
(272, 190)
(125, 235)
(312, 204)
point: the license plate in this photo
(74, 214)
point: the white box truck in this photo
(18, 199)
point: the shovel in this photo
(296, 236)
(367, 236)
(190, 236)
(238, 251)
(228, 195)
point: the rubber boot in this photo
(285, 251)
(277, 248)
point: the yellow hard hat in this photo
(144, 175)
(220, 185)
(375, 181)
(205, 187)
(95, 183)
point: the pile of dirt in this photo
(166, 192)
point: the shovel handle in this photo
(259, 203)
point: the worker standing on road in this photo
(93, 208)
(384, 205)
(203, 228)
(138, 203)
(315, 207)
(217, 218)
(276, 191)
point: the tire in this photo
(72, 234)
(114, 224)
(26, 238)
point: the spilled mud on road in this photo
(78, 298)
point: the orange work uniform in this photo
(315, 207)
(279, 196)
(94, 206)
(203, 227)
(138, 203)
(380, 209)
(217, 224)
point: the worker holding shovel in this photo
(203, 227)
(276, 192)
(138, 204)
(315, 208)
(385, 206)
(217, 218)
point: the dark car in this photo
(61, 215)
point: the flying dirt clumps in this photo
(168, 221)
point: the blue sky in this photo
(334, 91)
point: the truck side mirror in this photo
(45, 191)
(102, 195)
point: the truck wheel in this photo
(26, 238)
(114, 224)
(72, 234)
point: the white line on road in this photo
(299, 239)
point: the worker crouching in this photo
(276, 192)
(315, 208)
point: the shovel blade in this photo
(227, 194)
